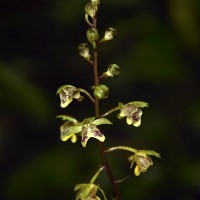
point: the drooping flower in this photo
(142, 160)
(132, 112)
(140, 157)
(67, 93)
(70, 129)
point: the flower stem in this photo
(108, 170)
(89, 96)
(110, 111)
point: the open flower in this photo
(67, 93)
(69, 130)
(132, 112)
(90, 129)
(142, 160)
(72, 128)
(140, 157)
(87, 191)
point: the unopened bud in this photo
(101, 91)
(92, 35)
(91, 10)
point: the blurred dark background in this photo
(158, 52)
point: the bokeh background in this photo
(158, 51)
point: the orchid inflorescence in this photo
(72, 129)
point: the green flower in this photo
(67, 93)
(72, 128)
(89, 129)
(69, 130)
(132, 112)
(140, 157)
(87, 191)
(142, 160)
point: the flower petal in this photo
(101, 121)
(64, 137)
(136, 123)
(137, 171)
(140, 104)
(129, 120)
(67, 132)
(91, 132)
(64, 101)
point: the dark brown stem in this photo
(108, 170)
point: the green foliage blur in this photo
(157, 49)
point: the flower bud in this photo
(101, 91)
(84, 51)
(91, 10)
(110, 34)
(92, 35)
(113, 71)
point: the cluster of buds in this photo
(92, 33)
